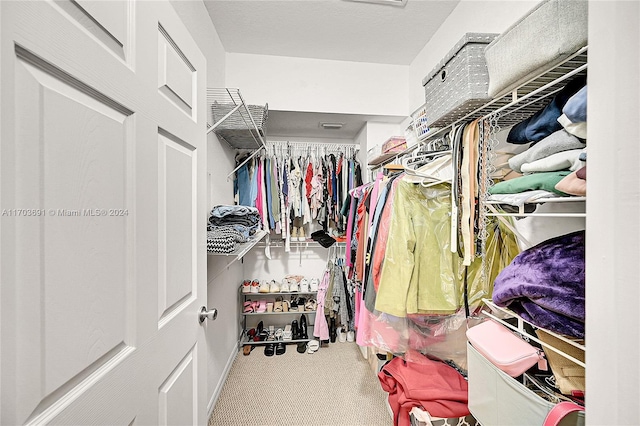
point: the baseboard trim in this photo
(225, 374)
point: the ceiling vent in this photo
(400, 3)
(331, 126)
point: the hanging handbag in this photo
(504, 349)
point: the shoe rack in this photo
(279, 320)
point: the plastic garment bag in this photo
(419, 303)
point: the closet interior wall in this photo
(310, 260)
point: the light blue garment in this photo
(244, 186)
(576, 107)
(224, 210)
(254, 183)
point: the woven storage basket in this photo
(459, 83)
(546, 35)
(237, 129)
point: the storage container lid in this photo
(479, 38)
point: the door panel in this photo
(177, 402)
(106, 21)
(105, 240)
(177, 164)
(175, 72)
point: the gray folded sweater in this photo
(556, 142)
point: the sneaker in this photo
(342, 336)
(304, 286)
(294, 234)
(255, 285)
(274, 287)
(264, 287)
(284, 287)
(351, 336)
(293, 286)
(301, 236)
(313, 284)
(246, 286)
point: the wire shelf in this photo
(240, 125)
(526, 99)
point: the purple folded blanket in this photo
(545, 284)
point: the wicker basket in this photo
(459, 83)
(237, 130)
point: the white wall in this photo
(316, 85)
(613, 229)
(222, 334)
(469, 16)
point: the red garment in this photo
(432, 385)
(361, 235)
(307, 181)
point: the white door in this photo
(102, 232)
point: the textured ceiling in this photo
(292, 124)
(328, 29)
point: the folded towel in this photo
(573, 185)
(565, 160)
(576, 129)
(556, 142)
(546, 181)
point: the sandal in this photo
(269, 306)
(301, 302)
(313, 346)
(287, 334)
(285, 306)
(277, 306)
(248, 307)
(269, 349)
(311, 305)
(264, 287)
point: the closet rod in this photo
(313, 145)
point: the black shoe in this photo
(269, 350)
(302, 347)
(280, 348)
(333, 334)
(295, 331)
(303, 327)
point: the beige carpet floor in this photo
(334, 386)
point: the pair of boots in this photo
(299, 332)
(297, 234)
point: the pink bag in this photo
(504, 349)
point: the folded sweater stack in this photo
(230, 225)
